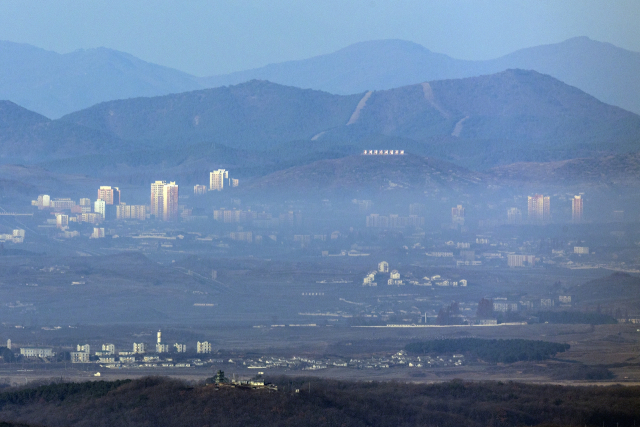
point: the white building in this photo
(514, 260)
(100, 207)
(108, 349)
(180, 348)
(18, 236)
(37, 352)
(505, 306)
(218, 179)
(62, 220)
(98, 233)
(383, 267)
(139, 348)
(369, 280)
(80, 357)
(84, 348)
(203, 347)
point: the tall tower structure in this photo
(539, 208)
(576, 209)
(218, 179)
(157, 201)
(111, 196)
(170, 202)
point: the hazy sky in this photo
(206, 37)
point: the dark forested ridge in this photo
(164, 402)
(493, 351)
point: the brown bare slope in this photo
(372, 173)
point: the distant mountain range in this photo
(601, 69)
(54, 85)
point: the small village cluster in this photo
(393, 278)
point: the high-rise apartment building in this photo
(514, 215)
(131, 212)
(164, 200)
(170, 202)
(576, 209)
(218, 179)
(539, 208)
(111, 196)
(100, 207)
(85, 205)
(157, 205)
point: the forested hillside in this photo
(164, 402)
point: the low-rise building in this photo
(203, 347)
(79, 357)
(139, 348)
(37, 352)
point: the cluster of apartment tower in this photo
(163, 202)
(218, 181)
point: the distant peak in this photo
(386, 44)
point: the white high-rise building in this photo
(164, 200)
(576, 209)
(539, 208)
(170, 202)
(139, 347)
(218, 179)
(157, 205)
(100, 207)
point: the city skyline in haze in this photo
(208, 38)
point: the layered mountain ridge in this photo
(55, 84)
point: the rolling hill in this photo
(371, 174)
(28, 137)
(261, 127)
(484, 121)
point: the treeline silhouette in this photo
(577, 317)
(319, 402)
(492, 351)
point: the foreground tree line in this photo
(318, 402)
(493, 350)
